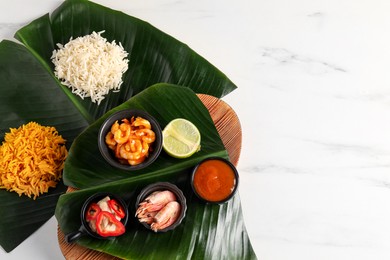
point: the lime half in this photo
(181, 138)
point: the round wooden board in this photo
(228, 127)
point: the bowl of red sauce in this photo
(215, 180)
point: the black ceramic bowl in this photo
(161, 186)
(215, 180)
(85, 228)
(109, 155)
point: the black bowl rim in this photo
(96, 197)
(235, 171)
(160, 186)
(127, 113)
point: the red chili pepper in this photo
(117, 208)
(108, 226)
(92, 212)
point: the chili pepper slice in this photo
(92, 212)
(108, 226)
(117, 208)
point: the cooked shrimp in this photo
(166, 216)
(115, 127)
(138, 161)
(142, 123)
(131, 140)
(146, 135)
(145, 149)
(122, 135)
(155, 201)
(126, 121)
(147, 217)
(136, 145)
(135, 151)
(142, 155)
(117, 151)
(110, 141)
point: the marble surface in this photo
(314, 105)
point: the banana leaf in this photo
(85, 166)
(207, 232)
(20, 77)
(154, 56)
(30, 92)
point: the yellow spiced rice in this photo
(31, 159)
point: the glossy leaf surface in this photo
(86, 167)
(30, 92)
(207, 232)
(154, 56)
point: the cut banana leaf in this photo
(154, 56)
(30, 92)
(22, 216)
(207, 232)
(85, 167)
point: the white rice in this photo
(90, 66)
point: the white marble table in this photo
(314, 104)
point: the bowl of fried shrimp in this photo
(130, 139)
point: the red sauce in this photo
(214, 180)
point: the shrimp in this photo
(142, 123)
(122, 135)
(147, 217)
(143, 155)
(145, 149)
(110, 141)
(115, 127)
(166, 216)
(155, 201)
(136, 145)
(146, 135)
(117, 150)
(132, 151)
(126, 121)
(131, 140)
(138, 161)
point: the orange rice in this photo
(31, 159)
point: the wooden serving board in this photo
(228, 127)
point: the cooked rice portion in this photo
(90, 66)
(31, 159)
